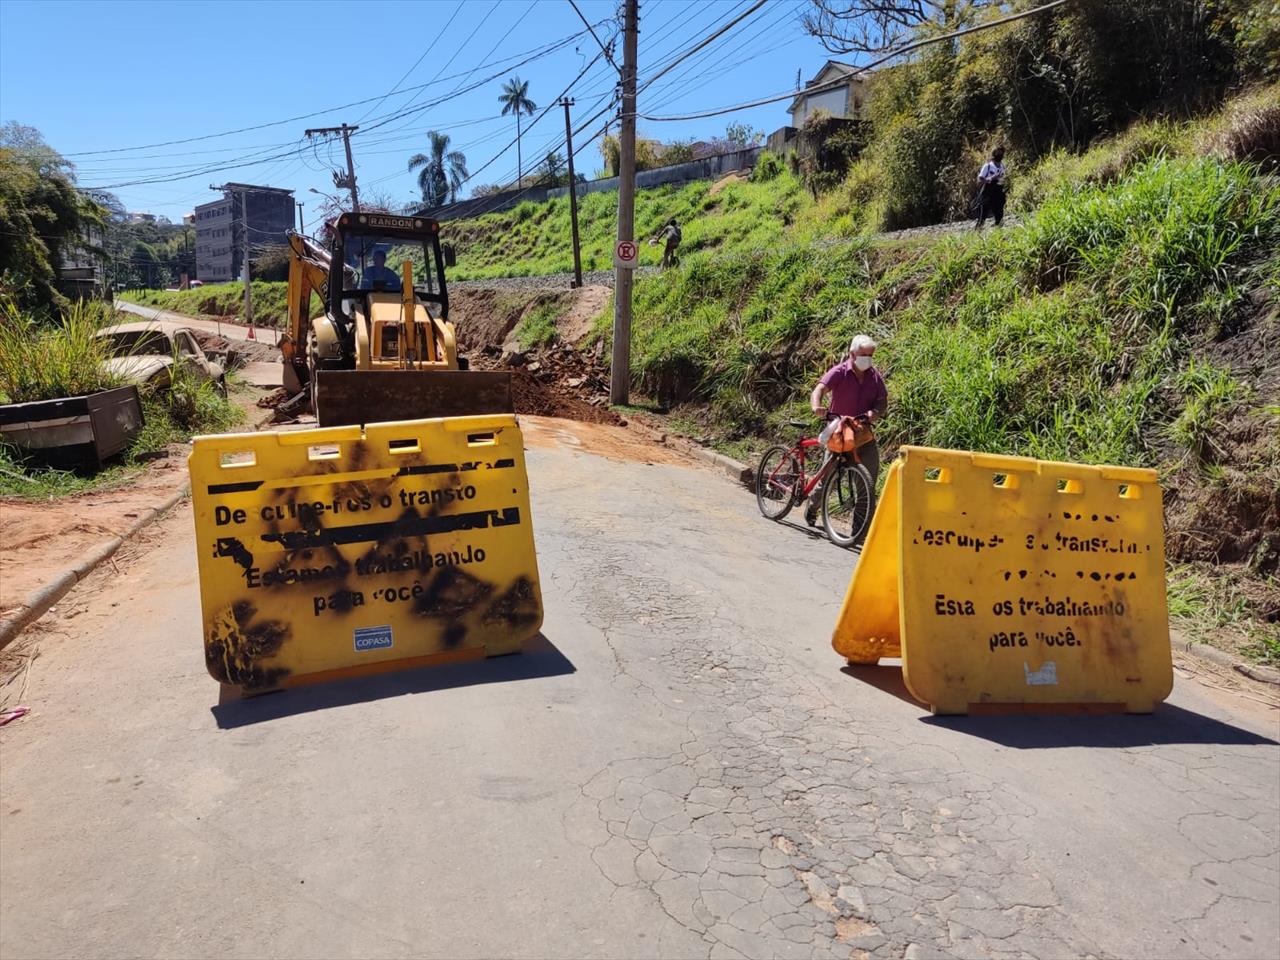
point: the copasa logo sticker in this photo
(373, 638)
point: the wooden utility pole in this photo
(573, 195)
(347, 182)
(620, 370)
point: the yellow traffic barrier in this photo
(342, 551)
(1008, 580)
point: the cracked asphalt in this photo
(680, 767)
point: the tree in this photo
(515, 99)
(743, 135)
(44, 214)
(553, 166)
(440, 173)
(646, 153)
(874, 26)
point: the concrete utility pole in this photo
(300, 224)
(620, 370)
(573, 195)
(349, 181)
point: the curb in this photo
(1202, 651)
(737, 471)
(39, 602)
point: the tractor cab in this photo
(374, 257)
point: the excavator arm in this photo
(308, 274)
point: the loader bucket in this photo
(351, 397)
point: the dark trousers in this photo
(990, 204)
(669, 254)
(868, 456)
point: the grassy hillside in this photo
(220, 300)
(1130, 317)
(532, 238)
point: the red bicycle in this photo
(788, 475)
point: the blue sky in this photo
(101, 76)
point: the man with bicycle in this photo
(856, 390)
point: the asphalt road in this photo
(231, 331)
(679, 768)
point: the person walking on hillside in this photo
(671, 234)
(856, 390)
(990, 199)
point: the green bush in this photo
(768, 166)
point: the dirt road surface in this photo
(679, 767)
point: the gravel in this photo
(550, 281)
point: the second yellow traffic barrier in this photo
(344, 550)
(1008, 580)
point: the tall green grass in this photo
(48, 361)
(45, 361)
(532, 239)
(1065, 339)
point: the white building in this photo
(842, 100)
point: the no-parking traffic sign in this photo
(626, 254)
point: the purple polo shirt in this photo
(851, 397)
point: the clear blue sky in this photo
(104, 75)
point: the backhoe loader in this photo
(383, 348)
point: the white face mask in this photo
(862, 363)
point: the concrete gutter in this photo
(1202, 651)
(736, 470)
(40, 601)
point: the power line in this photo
(603, 49)
(685, 56)
(835, 84)
(430, 47)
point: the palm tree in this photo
(441, 172)
(514, 99)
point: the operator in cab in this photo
(378, 276)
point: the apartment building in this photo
(262, 214)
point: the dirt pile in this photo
(556, 381)
(236, 353)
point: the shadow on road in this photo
(540, 658)
(886, 676)
(1169, 724)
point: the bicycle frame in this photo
(801, 451)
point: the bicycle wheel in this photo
(847, 504)
(776, 480)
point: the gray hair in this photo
(861, 341)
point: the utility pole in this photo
(620, 369)
(573, 195)
(347, 182)
(300, 224)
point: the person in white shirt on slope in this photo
(990, 200)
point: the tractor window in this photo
(377, 263)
